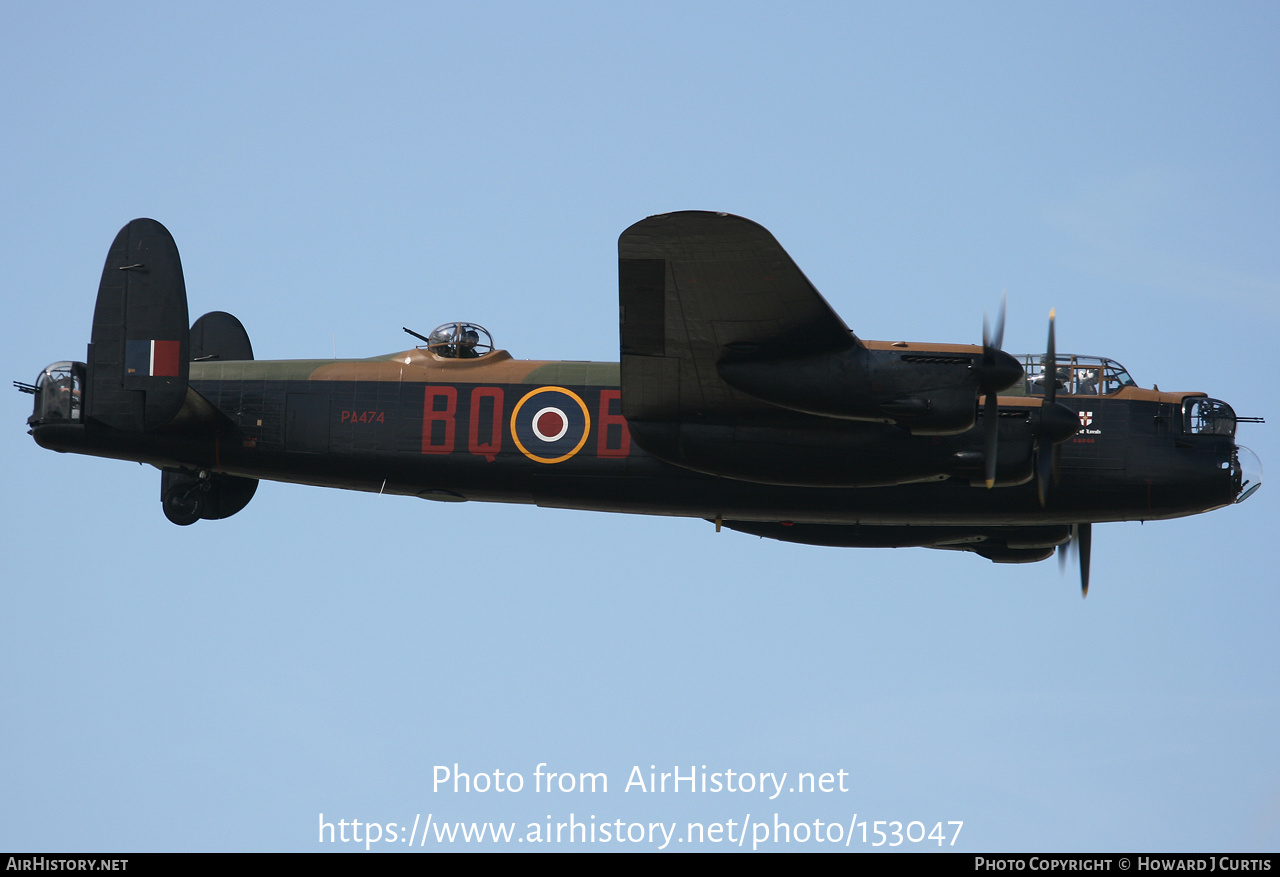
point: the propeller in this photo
(1081, 542)
(1045, 459)
(1057, 422)
(999, 371)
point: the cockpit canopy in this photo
(1073, 375)
(460, 341)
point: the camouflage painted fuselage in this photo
(551, 433)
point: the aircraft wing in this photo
(697, 289)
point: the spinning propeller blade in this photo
(1047, 451)
(991, 367)
(1081, 544)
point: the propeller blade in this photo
(995, 340)
(998, 370)
(1080, 543)
(996, 375)
(1049, 373)
(1047, 451)
(991, 423)
(1085, 537)
(1044, 470)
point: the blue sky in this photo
(333, 173)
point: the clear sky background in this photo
(333, 172)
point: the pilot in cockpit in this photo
(1089, 382)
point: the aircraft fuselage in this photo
(551, 433)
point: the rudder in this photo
(139, 353)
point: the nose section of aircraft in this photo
(1248, 472)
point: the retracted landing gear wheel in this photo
(182, 504)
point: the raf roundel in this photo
(550, 424)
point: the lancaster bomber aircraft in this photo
(741, 397)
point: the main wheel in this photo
(182, 504)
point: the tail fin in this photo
(139, 353)
(218, 335)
